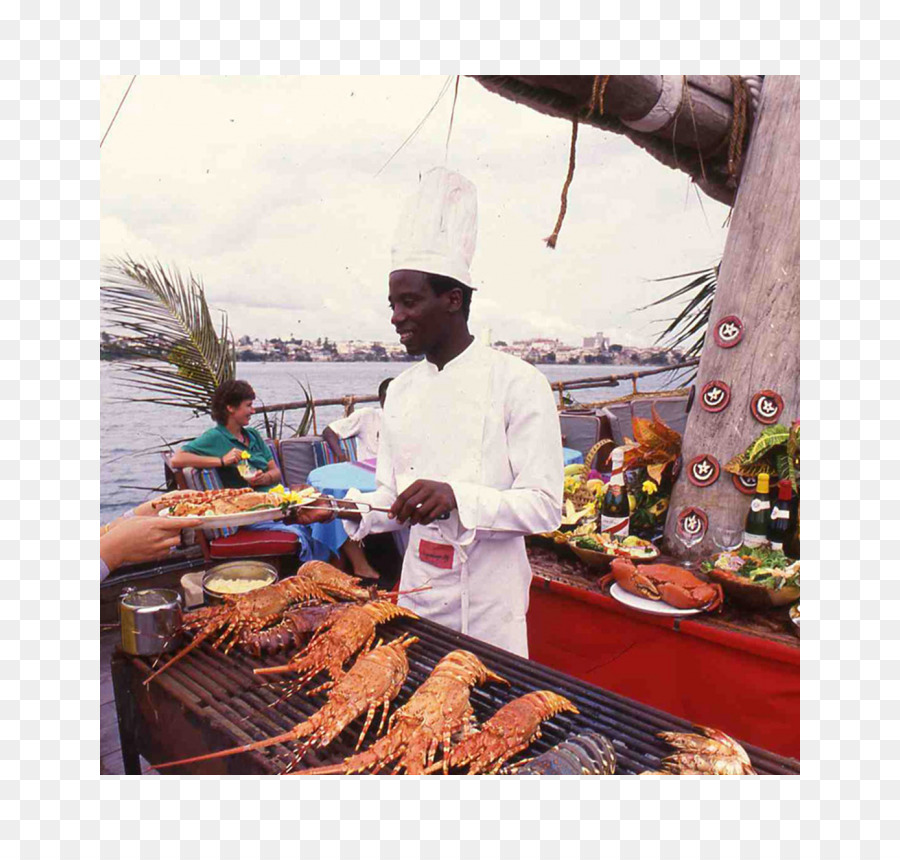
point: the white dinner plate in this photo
(656, 607)
(245, 518)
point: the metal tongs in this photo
(335, 508)
(362, 507)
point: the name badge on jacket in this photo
(436, 554)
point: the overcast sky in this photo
(266, 188)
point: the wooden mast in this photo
(759, 282)
(683, 121)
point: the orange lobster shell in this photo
(666, 582)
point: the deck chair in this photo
(583, 430)
(297, 459)
(324, 455)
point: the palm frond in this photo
(687, 329)
(176, 351)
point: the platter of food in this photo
(598, 550)
(233, 507)
(644, 604)
(758, 577)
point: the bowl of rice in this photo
(236, 577)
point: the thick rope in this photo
(738, 128)
(597, 93)
(564, 197)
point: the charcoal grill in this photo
(208, 702)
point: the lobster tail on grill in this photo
(372, 682)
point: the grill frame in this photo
(231, 706)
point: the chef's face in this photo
(419, 316)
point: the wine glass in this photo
(728, 538)
(688, 541)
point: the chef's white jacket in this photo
(487, 425)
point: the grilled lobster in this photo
(712, 752)
(346, 631)
(293, 631)
(507, 732)
(589, 754)
(242, 616)
(373, 681)
(666, 582)
(425, 724)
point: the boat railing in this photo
(349, 402)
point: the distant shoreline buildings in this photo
(596, 349)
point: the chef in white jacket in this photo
(470, 453)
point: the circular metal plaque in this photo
(715, 396)
(703, 470)
(766, 406)
(728, 331)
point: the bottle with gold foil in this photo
(759, 514)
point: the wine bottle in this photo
(758, 515)
(792, 541)
(615, 512)
(781, 520)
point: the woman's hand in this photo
(233, 457)
(260, 479)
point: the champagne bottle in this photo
(781, 520)
(758, 515)
(615, 512)
(792, 541)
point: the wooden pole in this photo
(693, 136)
(759, 282)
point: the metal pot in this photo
(254, 570)
(150, 621)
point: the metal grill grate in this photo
(241, 704)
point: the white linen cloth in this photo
(487, 425)
(365, 425)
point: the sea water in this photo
(131, 471)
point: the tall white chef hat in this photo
(438, 226)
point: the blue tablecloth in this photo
(570, 456)
(336, 478)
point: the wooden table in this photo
(738, 671)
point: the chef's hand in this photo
(422, 502)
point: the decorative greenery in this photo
(776, 449)
(177, 352)
(655, 445)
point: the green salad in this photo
(761, 565)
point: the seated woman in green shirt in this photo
(221, 447)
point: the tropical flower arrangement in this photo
(648, 504)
